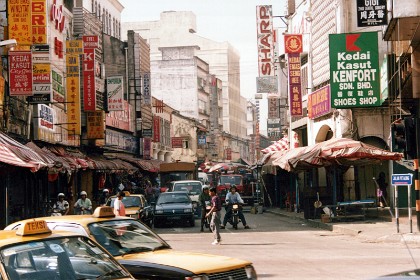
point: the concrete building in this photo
(179, 29)
(316, 20)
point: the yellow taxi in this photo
(136, 206)
(143, 253)
(35, 252)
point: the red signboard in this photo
(228, 154)
(20, 73)
(156, 129)
(89, 100)
(293, 43)
(177, 142)
(295, 88)
(319, 102)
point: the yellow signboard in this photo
(96, 125)
(74, 49)
(20, 25)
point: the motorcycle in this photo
(234, 219)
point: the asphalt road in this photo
(282, 248)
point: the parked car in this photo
(36, 252)
(142, 252)
(193, 188)
(175, 208)
(136, 206)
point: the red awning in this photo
(144, 164)
(14, 153)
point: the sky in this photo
(219, 20)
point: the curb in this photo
(412, 238)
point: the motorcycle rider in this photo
(83, 205)
(61, 206)
(203, 199)
(233, 197)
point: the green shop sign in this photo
(354, 70)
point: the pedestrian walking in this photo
(119, 208)
(382, 191)
(216, 207)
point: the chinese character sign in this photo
(295, 88)
(114, 86)
(354, 70)
(96, 125)
(74, 48)
(293, 43)
(19, 17)
(319, 102)
(371, 13)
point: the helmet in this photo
(60, 195)
(105, 190)
(83, 193)
(205, 188)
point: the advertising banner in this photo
(295, 87)
(114, 87)
(95, 125)
(147, 148)
(265, 41)
(319, 103)
(20, 73)
(74, 48)
(354, 70)
(20, 21)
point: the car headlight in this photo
(187, 210)
(159, 211)
(250, 272)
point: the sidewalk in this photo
(381, 227)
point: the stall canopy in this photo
(227, 166)
(17, 154)
(280, 145)
(337, 151)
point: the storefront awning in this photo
(17, 154)
(112, 165)
(146, 165)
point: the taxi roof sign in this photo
(33, 227)
(103, 212)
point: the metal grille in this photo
(238, 274)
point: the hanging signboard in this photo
(20, 73)
(354, 70)
(319, 103)
(371, 13)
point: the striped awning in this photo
(280, 145)
(112, 165)
(14, 153)
(144, 164)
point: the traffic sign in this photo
(402, 179)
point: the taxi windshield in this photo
(120, 237)
(128, 201)
(60, 258)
